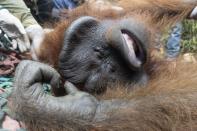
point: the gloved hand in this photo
(193, 14)
(36, 34)
(14, 30)
(104, 5)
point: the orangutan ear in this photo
(76, 32)
(79, 28)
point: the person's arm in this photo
(19, 10)
(14, 31)
(22, 12)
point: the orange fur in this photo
(52, 44)
(156, 14)
(169, 101)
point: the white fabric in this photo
(194, 13)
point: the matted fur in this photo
(154, 14)
(169, 102)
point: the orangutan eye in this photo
(99, 52)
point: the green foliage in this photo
(189, 36)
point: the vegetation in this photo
(189, 36)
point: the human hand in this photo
(36, 34)
(14, 29)
(10, 124)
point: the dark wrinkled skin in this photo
(75, 107)
(94, 53)
(93, 56)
